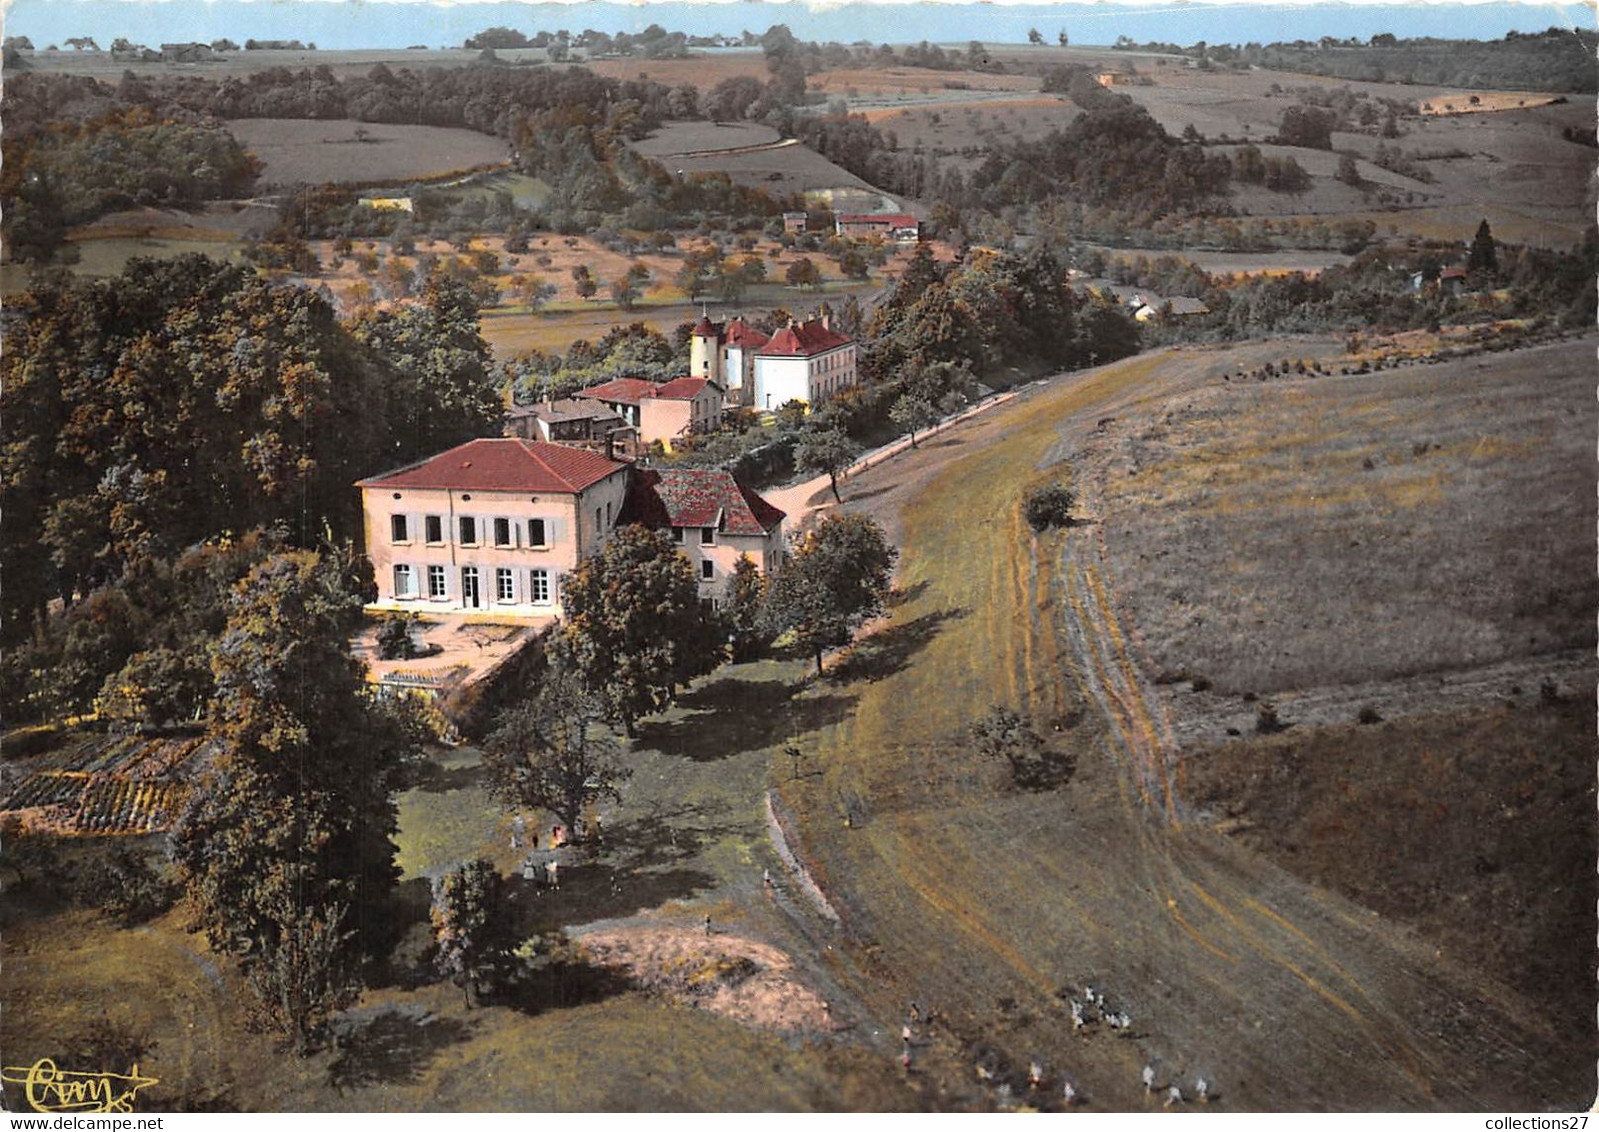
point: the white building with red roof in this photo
(714, 520)
(807, 362)
(489, 526)
(663, 411)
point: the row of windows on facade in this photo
(539, 586)
(506, 531)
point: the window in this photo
(434, 528)
(438, 586)
(707, 536)
(404, 582)
(707, 569)
(677, 535)
(502, 532)
(607, 514)
(505, 584)
(468, 530)
(398, 528)
(535, 532)
(597, 525)
(539, 587)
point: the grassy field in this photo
(1259, 533)
(687, 838)
(294, 150)
(995, 905)
(780, 168)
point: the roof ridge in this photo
(542, 462)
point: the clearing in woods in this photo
(997, 906)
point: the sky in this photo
(350, 24)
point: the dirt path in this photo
(1000, 907)
(802, 500)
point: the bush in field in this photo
(1009, 735)
(1267, 721)
(1050, 506)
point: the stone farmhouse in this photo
(899, 227)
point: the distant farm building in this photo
(794, 222)
(1179, 306)
(1114, 78)
(900, 227)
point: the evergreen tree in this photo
(472, 936)
(1483, 257)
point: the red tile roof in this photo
(698, 497)
(803, 339)
(503, 464)
(681, 388)
(705, 327)
(623, 391)
(743, 335)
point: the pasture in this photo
(781, 167)
(1260, 533)
(293, 151)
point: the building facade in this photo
(489, 527)
(725, 354)
(900, 227)
(665, 411)
(807, 362)
(713, 519)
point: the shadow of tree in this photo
(563, 981)
(391, 1046)
(598, 892)
(904, 594)
(857, 496)
(732, 716)
(885, 653)
(432, 778)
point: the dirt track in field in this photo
(998, 907)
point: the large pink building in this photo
(489, 526)
(661, 411)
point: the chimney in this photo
(827, 318)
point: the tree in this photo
(1348, 171)
(913, 413)
(836, 579)
(551, 752)
(534, 291)
(853, 264)
(1062, 37)
(826, 449)
(1035, 37)
(1307, 126)
(803, 272)
(635, 629)
(472, 937)
(292, 827)
(1049, 506)
(741, 608)
(583, 281)
(1483, 256)
(394, 638)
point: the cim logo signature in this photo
(51, 1089)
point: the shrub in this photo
(394, 638)
(1267, 721)
(1369, 715)
(1050, 506)
(1009, 735)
